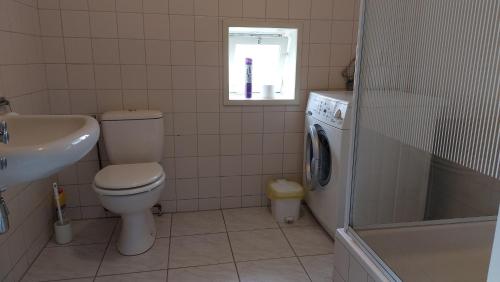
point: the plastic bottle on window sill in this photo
(248, 80)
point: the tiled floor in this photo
(230, 245)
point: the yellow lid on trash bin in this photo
(284, 189)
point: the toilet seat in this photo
(128, 179)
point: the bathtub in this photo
(458, 252)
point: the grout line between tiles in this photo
(115, 229)
(230, 246)
(293, 250)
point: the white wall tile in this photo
(183, 77)
(208, 166)
(277, 9)
(128, 6)
(254, 8)
(105, 51)
(274, 122)
(186, 167)
(132, 51)
(299, 9)
(183, 53)
(206, 28)
(102, 5)
(209, 187)
(272, 143)
(230, 144)
(108, 76)
(103, 25)
(252, 144)
(155, 6)
(186, 146)
(131, 25)
(50, 23)
(230, 165)
(252, 165)
(156, 26)
(207, 53)
(231, 186)
(157, 52)
(186, 188)
(206, 7)
(342, 32)
(185, 123)
(321, 31)
(182, 27)
(208, 123)
(80, 76)
(208, 145)
(321, 9)
(159, 77)
(53, 50)
(134, 76)
(78, 50)
(230, 123)
(230, 8)
(75, 23)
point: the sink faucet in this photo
(4, 133)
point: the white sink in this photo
(41, 145)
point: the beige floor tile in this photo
(155, 258)
(151, 276)
(259, 244)
(306, 219)
(276, 270)
(249, 219)
(199, 250)
(319, 268)
(59, 263)
(163, 224)
(91, 231)
(220, 272)
(192, 223)
(309, 240)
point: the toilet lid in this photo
(127, 176)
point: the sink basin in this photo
(41, 145)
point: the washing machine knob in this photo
(338, 114)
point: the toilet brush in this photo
(62, 229)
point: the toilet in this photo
(134, 180)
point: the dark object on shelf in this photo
(348, 74)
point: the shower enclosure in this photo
(425, 183)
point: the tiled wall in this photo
(109, 55)
(457, 192)
(351, 264)
(22, 81)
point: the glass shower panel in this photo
(428, 112)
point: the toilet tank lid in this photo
(131, 115)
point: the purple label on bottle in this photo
(248, 80)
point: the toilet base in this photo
(138, 233)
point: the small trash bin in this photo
(285, 199)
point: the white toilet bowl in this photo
(130, 190)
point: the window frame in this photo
(260, 24)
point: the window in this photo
(261, 63)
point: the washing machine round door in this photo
(318, 162)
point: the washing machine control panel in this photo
(329, 110)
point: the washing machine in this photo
(326, 153)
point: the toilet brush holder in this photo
(62, 232)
